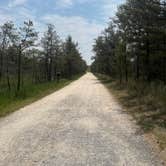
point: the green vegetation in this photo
(134, 43)
(11, 101)
(48, 60)
(31, 68)
(146, 103)
(132, 51)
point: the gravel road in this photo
(79, 125)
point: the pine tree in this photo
(51, 45)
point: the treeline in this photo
(134, 43)
(24, 58)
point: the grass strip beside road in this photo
(146, 103)
(10, 102)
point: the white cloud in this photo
(64, 3)
(79, 28)
(82, 30)
(14, 3)
(4, 17)
(25, 14)
(69, 3)
(109, 7)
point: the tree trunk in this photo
(50, 70)
(7, 72)
(120, 69)
(164, 70)
(126, 68)
(33, 70)
(46, 68)
(1, 65)
(19, 70)
(55, 71)
(137, 68)
(120, 76)
(147, 58)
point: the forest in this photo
(134, 43)
(132, 51)
(26, 61)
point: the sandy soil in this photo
(80, 125)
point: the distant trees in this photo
(73, 61)
(61, 57)
(51, 45)
(138, 46)
(22, 59)
(105, 51)
(7, 40)
(25, 39)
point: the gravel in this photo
(79, 125)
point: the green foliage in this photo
(28, 69)
(133, 44)
(73, 61)
(104, 49)
(146, 102)
(136, 52)
(13, 100)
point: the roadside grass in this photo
(12, 101)
(146, 103)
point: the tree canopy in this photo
(24, 57)
(134, 43)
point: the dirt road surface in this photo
(79, 125)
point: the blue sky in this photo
(83, 19)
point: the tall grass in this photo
(13, 100)
(146, 102)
